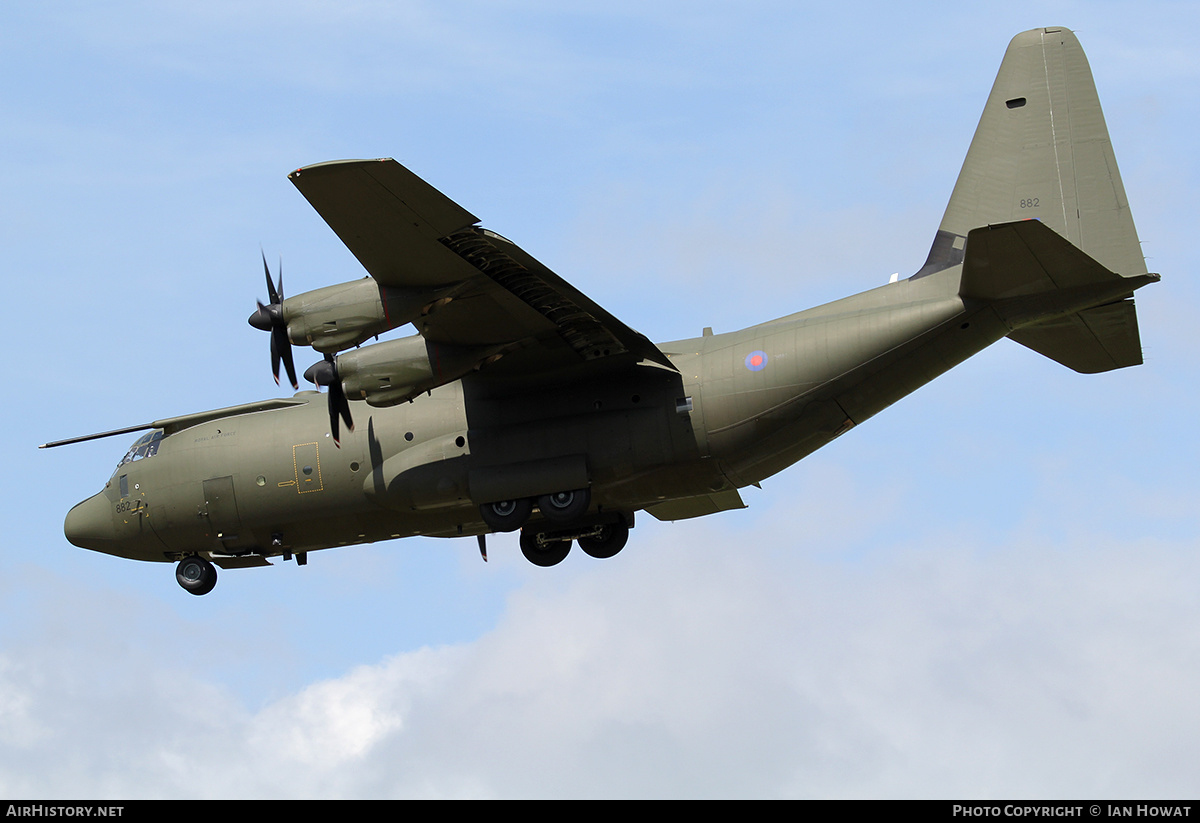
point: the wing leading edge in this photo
(484, 292)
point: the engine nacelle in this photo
(388, 373)
(336, 318)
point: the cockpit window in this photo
(146, 446)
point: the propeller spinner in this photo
(270, 318)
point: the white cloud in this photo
(710, 660)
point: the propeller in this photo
(324, 373)
(270, 318)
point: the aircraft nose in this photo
(89, 524)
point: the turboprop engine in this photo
(333, 318)
(340, 317)
(389, 373)
(394, 371)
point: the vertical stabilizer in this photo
(1042, 151)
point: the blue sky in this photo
(986, 591)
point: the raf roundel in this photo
(756, 360)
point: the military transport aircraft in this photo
(520, 404)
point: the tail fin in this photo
(1042, 151)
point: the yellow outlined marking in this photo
(307, 483)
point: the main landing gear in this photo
(196, 575)
(605, 540)
(549, 548)
(564, 520)
(506, 515)
(559, 507)
(543, 551)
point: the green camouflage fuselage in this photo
(640, 437)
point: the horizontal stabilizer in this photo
(1012, 260)
(1090, 341)
(1057, 300)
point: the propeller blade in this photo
(275, 297)
(284, 347)
(333, 419)
(274, 358)
(339, 406)
(270, 318)
(324, 373)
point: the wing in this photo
(487, 293)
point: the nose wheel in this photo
(196, 575)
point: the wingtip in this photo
(331, 163)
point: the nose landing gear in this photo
(196, 575)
